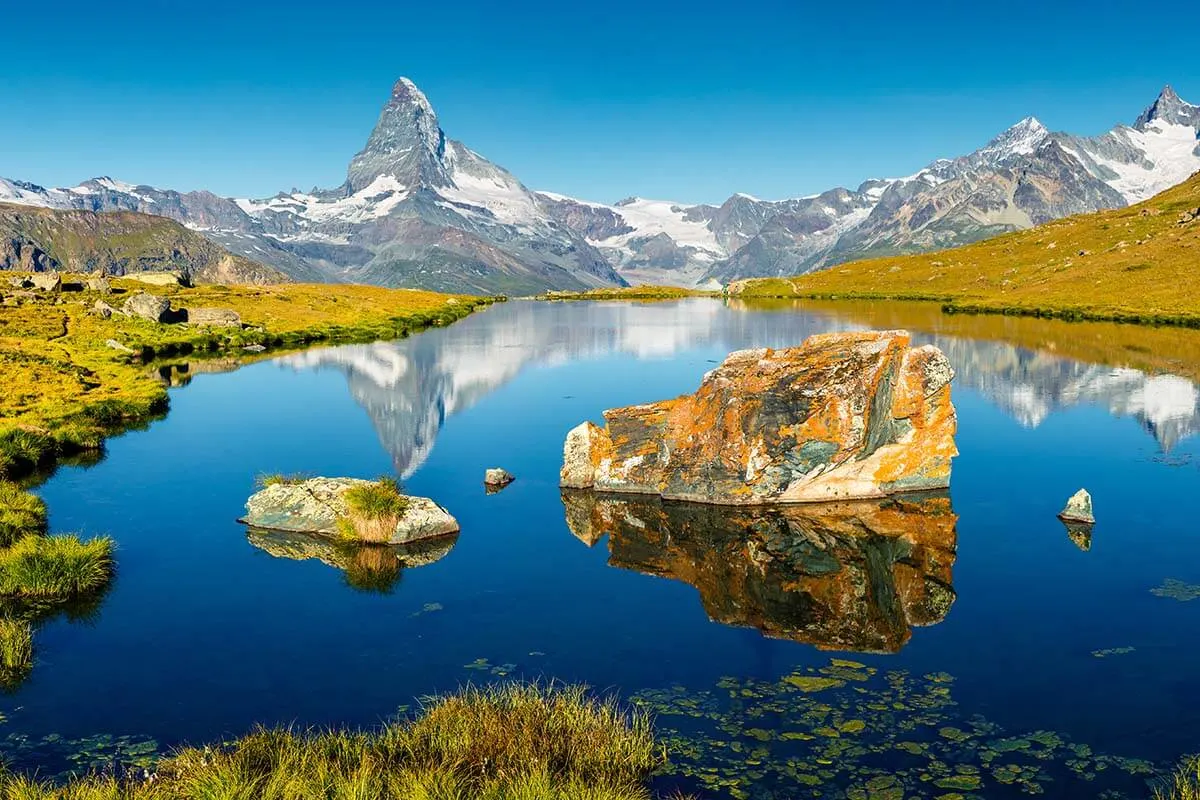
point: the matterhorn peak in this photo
(1170, 108)
(407, 143)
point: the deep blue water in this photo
(203, 635)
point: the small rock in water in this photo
(1078, 508)
(254, 348)
(497, 478)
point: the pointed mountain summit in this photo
(1170, 108)
(407, 144)
(1019, 140)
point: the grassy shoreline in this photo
(74, 378)
(1133, 265)
(510, 742)
(642, 292)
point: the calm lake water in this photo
(963, 645)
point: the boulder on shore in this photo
(158, 278)
(844, 415)
(148, 307)
(317, 504)
(215, 317)
(46, 281)
(1078, 508)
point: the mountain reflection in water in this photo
(410, 387)
(840, 576)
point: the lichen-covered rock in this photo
(158, 278)
(214, 317)
(1078, 508)
(148, 307)
(104, 310)
(855, 575)
(497, 478)
(315, 506)
(46, 281)
(100, 285)
(846, 415)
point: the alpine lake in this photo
(962, 644)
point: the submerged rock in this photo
(497, 478)
(1078, 508)
(317, 504)
(845, 415)
(855, 575)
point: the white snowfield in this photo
(1170, 155)
(371, 202)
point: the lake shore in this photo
(1128, 265)
(74, 377)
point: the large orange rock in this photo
(853, 575)
(845, 415)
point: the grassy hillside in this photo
(117, 243)
(71, 377)
(1136, 264)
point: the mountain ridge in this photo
(421, 209)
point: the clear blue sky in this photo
(689, 101)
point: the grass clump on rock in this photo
(375, 509)
(513, 742)
(280, 479)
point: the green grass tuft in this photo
(55, 567)
(21, 514)
(280, 479)
(1183, 785)
(16, 651)
(515, 742)
(375, 508)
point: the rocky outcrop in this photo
(149, 307)
(848, 415)
(214, 317)
(46, 281)
(158, 278)
(496, 478)
(841, 576)
(1078, 508)
(317, 504)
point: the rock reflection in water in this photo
(840, 576)
(372, 568)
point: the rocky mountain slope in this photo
(1025, 176)
(417, 209)
(420, 209)
(43, 239)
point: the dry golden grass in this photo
(1136, 264)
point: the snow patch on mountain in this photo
(1169, 154)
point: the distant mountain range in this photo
(420, 209)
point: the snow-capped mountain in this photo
(1023, 177)
(417, 209)
(420, 209)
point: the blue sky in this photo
(688, 101)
